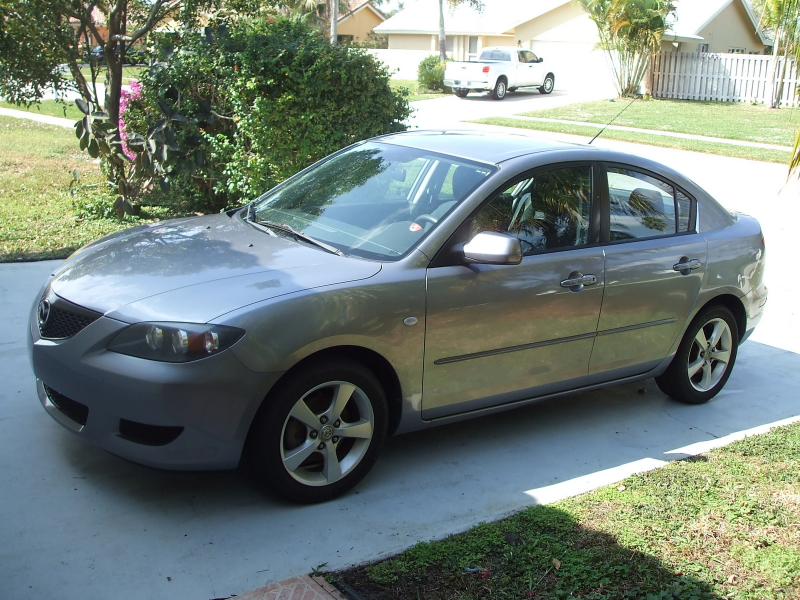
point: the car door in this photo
(499, 333)
(654, 266)
(529, 69)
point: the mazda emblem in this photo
(44, 311)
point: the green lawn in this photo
(777, 156)
(65, 110)
(721, 525)
(414, 93)
(39, 218)
(731, 120)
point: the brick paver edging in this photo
(303, 587)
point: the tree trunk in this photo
(442, 37)
(774, 68)
(334, 20)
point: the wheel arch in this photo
(375, 362)
(733, 304)
(550, 74)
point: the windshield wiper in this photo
(299, 235)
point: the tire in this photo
(290, 441)
(460, 93)
(548, 85)
(500, 89)
(704, 359)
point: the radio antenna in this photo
(612, 120)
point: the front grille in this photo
(148, 435)
(74, 410)
(65, 320)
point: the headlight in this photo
(174, 342)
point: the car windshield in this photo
(375, 201)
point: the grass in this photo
(764, 155)
(414, 93)
(65, 110)
(721, 525)
(38, 215)
(729, 120)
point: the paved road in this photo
(80, 523)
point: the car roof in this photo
(487, 147)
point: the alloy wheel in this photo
(327, 433)
(709, 355)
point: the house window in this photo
(344, 38)
(703, 47)
(737, 51)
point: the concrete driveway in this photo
(80, 523)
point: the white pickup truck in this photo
(499, 70)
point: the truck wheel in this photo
(499, 91)
(460, 93)
(548, 85)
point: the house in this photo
(560, 32)
(358, 21)
(720, 26)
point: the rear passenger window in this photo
(641, 206)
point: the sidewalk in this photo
(32, 116)
(672, 134)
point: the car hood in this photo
(196, 269)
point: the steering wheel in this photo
(426, 218)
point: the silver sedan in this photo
(406, 281)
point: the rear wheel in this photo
(548, 84)
(320, 433)
(500, 89)
(704, 359)
(460, 93)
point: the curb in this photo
(303, 587)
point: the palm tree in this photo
(783, 18)
(630, 31)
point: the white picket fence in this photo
(721, 77)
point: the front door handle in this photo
(686, 265)
(577, 281)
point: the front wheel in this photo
(548, 84)
(460, 93)
(704, 359)
(320, 432)
(500, 89)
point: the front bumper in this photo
(133, 406)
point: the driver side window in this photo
(546, 211)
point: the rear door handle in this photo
(686, 265)
(579, 281)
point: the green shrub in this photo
(263, 100)
(430, 74)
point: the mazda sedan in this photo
(406, 281)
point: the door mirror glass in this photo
(541, 59)
(492, 248)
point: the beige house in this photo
(560, 32)
(720, 26)
(356, 24)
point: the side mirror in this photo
(541, 59)
(491, 248)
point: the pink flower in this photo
(126, 97)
